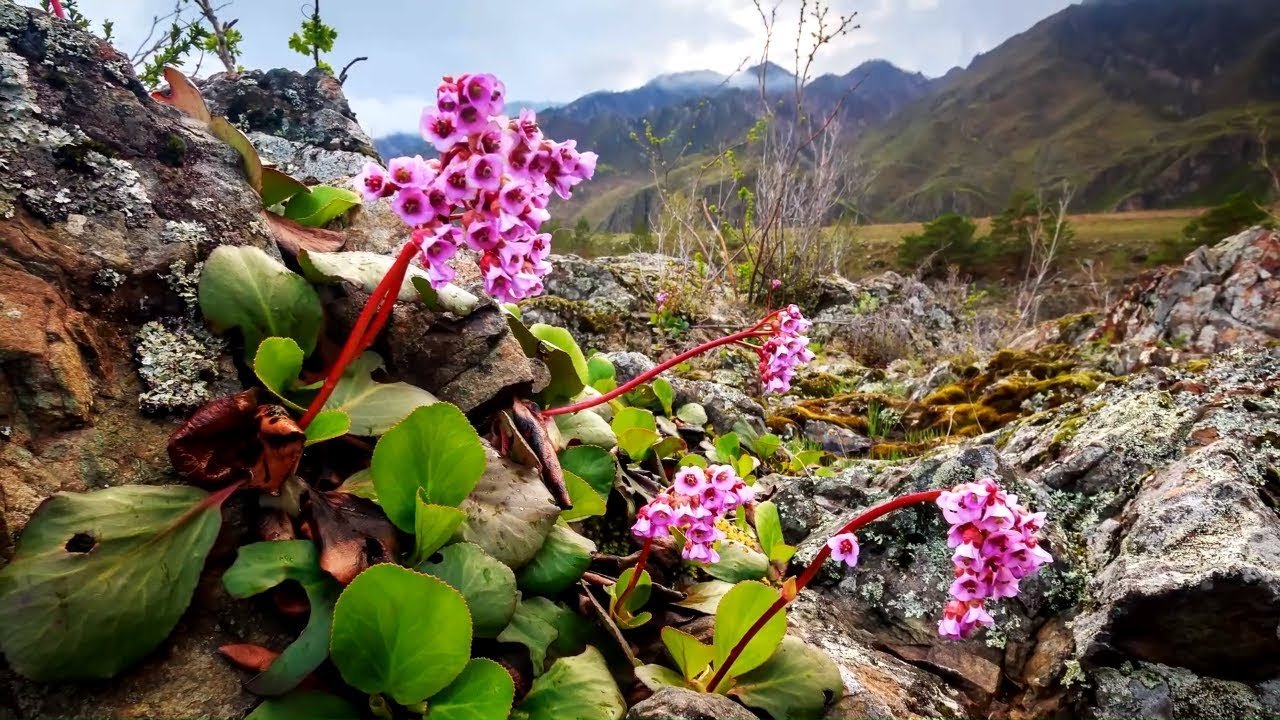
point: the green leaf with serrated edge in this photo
(305, 705)
(639, 594)
(99, 579)
(599, 368)
(586, 502)
(691, 655)
(728, 448)
(782, 553)
(739, 609)
(374, 407)
(321, 206)
(360, 484)
(797, 681)
(434, 448)
(562, 339)
(666, 394)
(277, 364)
(433, 526)
(400, 633)
(693, 460)
(510, 512)
(222, 129)
(565, 381)
(586, 427)
(327, 425)
(705, 596)
(768, 526)
(484, 691)
(579, 687)
(693, 413)
(244, 288)
(536, 624)
(656, 677)
(264, 565)
(560, 562)
(278, 186)
(488, 586)
(629, 418)
(593, 464)
(637, 442)
(738, 562)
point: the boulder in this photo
(671, 703)
(726, 406)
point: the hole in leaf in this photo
(80, 543)
(436, 558)
(373, 551)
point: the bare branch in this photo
(342, 76)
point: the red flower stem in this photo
(635, 573)
(371, 320)
(653, 373)
(58, 12)
(853, 525)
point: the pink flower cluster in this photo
(693, 503)
(996, 545)
(495, 175)
(785, 350)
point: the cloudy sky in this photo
(557, 50)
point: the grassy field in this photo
(1118, 244)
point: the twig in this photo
(342, 77)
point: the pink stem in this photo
(648, 375)
(853, 525)
(373, 317)
(635, 573)
(58, 12)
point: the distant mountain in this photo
(1139, 103)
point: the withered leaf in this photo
(234, 439)
(529, 426)
(352, 532)
(248, 656)
(292, 237)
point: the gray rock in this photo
(671, 703)
(836, 439)
(309, 163)
(308, 109)
(1148, 690)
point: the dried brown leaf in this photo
(292, 237)
(183, 94)
(234, 439)
(353, 533)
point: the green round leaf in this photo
(739, 609)
(705, 596)
(689, 653)
(264, 565)
(544, 628)
(563, 339)
(327, 425)
(593, 464)
(277, 365)
(637, 431)
(639, 594)
(560, 562)
(484, 691)
(738, 562)
(488, 586)
(243, 287)
(401, 633)
(305, 705)
(585, 500)
(374, 407)
(656, 677)
(768, 526)
(99, 579)
(693, 413)
(321, 206)
(588, 428)
(599, 368)
(434, 448)
(433, 526)
(798, 681)
(578, 687)
(665, 393)
(510, 512)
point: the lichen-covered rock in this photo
(1146, 690)
(309, 163)
(308, 109)
(671, 703)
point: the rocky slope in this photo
(1159, 476)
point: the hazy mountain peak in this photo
(687, 79)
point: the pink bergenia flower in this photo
(996, 545)
(774, 284)
(696, 499)
(372, 182)
(844, 548)
(494, 177)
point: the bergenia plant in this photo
(996, 545)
